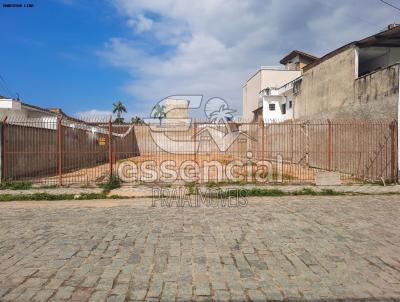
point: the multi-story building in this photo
(358, 80)
(268, 93)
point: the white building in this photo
(277, 103)
(266, 77)
(17, 111)
(268, 93)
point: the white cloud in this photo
(140, 23)
(210, 47)
(94, 115)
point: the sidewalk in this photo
(147, 190)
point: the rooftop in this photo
(299, 53)
(386, 38)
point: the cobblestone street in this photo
(286, 248)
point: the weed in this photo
(330, 192)
(212, 184)
(305, 191)
(265, 192)
(114, 182)
(47, 196)
(47, 187)
(15, 185)
(191, 188)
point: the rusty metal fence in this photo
(65, 151)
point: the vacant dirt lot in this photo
(292, 248)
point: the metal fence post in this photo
(3, 149)
(394, 151)
(195, 146)
(110, 148)
(329, 145)
(292, 141)
(59, 149)
(262, 139)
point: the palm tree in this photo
(137, 120)
(119, 107)
(159, 112)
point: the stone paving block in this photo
(105, 284)
(155, 288)
(303, 247)
(137, 294)
(116, 298)
(28, 294)
(43, 295)
(221, 295)
(4, 291)
(34, 282)
(202, 289)
(64, 293)
(98, 296)
(14, 294)
(255, 295)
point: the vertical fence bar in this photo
(110, 147)
(59, 149)
(195, 148)
(306, 128)
(329, 145)
(3, 150)
(394, 153)
(262, 140)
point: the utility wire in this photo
(391, 5)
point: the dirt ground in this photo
(245, 170)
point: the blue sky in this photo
(82, 56)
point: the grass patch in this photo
(323, 192)
(47, 187)
(114, 182)
(191, 188)
(264, 192)
(278, 192)
(330, 192)
(305, 191)
(15, 185)
(47, 196)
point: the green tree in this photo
(119, 120)
(119, 108)
(159, 112)
(137, 120)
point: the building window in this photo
(284, 108)
(290, 104)
(271, 107)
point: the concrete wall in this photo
(251, 95)
(327, 88)
(331, 89)
(277, 78)
(376, 95)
